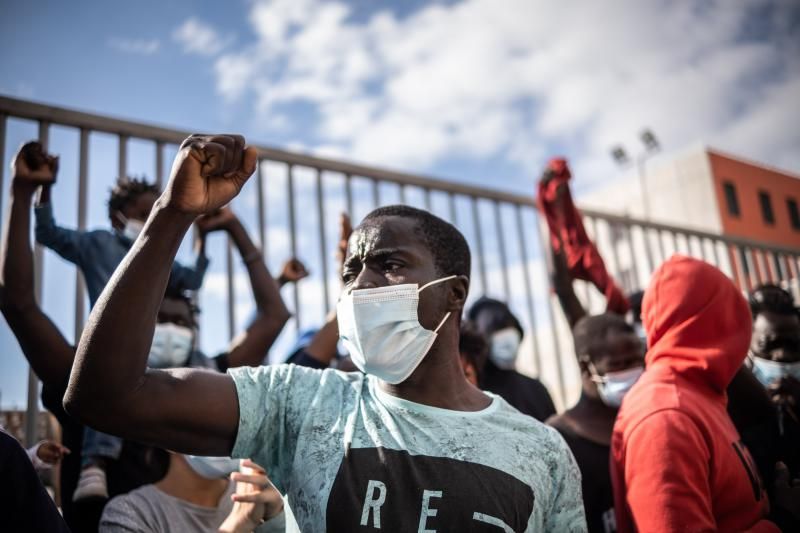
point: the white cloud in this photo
(145, 47)
(197, 37)
(515, 79)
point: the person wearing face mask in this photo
(774, 359)
(503, 332)
(199, 494)
(611, 360)
(406, 444)
(51, 356)
(678, 462)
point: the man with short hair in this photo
(408, 445)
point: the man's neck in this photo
(439, 381)
(183, 483)
(592, 419)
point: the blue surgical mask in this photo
(212, 467)
(171, 346)
(381, 330)
(504, 345)
(613, 386)
(768, 372)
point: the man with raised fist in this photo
(409, 444)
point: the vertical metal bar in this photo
(776, 263)
(376, 195)
(715, 254)
(3, 122)
(323, 247)
(546, 252)
(661, 249)
(451, 208)
(501, 247)
(523, 250)
(83, 194)
(262, 211)
(348, 187)
(736, 271)
(479, 243)
(293, 238)
(648, 252)
(748, 275)
(229, 267)
(427, 199)
(634, 265)
(759, 277)
(612, 230)
(160, 164)
(674, 237)
(403, 199)
(123, 156)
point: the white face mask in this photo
(381, 330)
(171, 346)
(132, 228)
(612, 386)
(504, 345)
(768, 372)
(212, 467)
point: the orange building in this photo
(756, 202)
(704, 189)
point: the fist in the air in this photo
(34, 166)
(208, 172)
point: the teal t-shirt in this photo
(351, 457)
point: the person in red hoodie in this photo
(677, 462)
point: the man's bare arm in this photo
(46, 350)
(111, 388)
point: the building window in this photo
(766, 207)
(731, 199)
(794, 213)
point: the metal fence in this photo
(505, 233)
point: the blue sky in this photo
(480, 91)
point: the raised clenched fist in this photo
(208, 172)
(34, 166)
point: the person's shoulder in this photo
(526, 426)
(130, 507)
(288, 375)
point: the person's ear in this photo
(458, 289)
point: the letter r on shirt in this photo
(371, 502)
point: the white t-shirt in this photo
(351, 457)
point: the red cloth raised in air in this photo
(566, 226)
(677, 462)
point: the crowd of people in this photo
(403, 411)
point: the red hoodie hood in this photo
(697, 322)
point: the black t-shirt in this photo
(529, 396)
(598, 497)
(24, 503)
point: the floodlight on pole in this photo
(620, 156)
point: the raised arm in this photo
(251, 346)
(111, 388)
(561, 278)
(44, 347)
